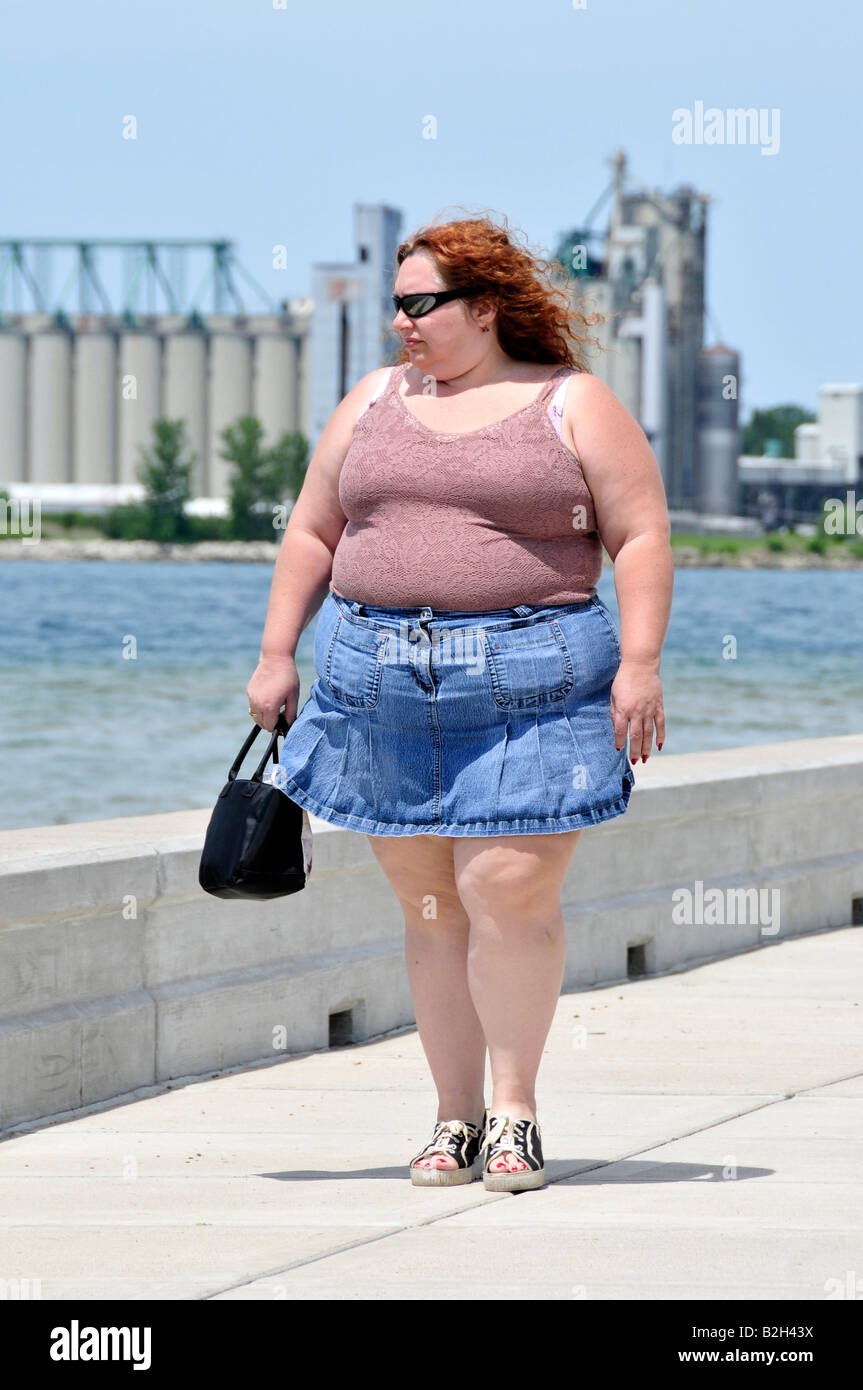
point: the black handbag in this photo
(258, 842)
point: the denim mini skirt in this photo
(431, 722)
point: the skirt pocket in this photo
(529, 666)
(354, 664)
(593, 647)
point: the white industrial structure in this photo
(826, 452)
(351, 331)
(645, 274)
(76, 403)
(79, 392)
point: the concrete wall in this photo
(117, 971)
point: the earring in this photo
(486, 328)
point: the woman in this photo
(473, 702)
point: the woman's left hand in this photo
(636, 706)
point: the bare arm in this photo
(623, 475)
(303, 567)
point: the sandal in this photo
(458, 1139)
(520, 1137)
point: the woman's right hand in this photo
(275, 682)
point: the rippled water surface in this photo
(87, 734)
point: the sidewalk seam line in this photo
(498, 1196)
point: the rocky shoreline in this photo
(232, 551)
(265, 552)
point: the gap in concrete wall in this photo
(636, 960)
(341, 1027)
(347, 1024)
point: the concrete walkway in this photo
(703, 1133)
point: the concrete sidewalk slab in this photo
(703, 1134)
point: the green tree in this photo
(779, 423)
(166, 474)
(262, 479)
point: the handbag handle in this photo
(272, 747)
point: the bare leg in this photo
(420, 871)
(510, 887)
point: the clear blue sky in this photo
(265, 125)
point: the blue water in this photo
(87, 734)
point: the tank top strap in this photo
(560, 393)
(555, 408)
(556, 384)
(382, 386)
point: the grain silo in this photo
(138, 397)
(229, 394)
(275, 385)
(94, 403)
(82, 386)
(49, 402)
(716, 490)
(13, 404)
(184, 391)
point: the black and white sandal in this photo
(458, 1139)
(503, 1135)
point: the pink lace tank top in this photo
(489, 518)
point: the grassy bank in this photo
(769, 546)
(85, 540)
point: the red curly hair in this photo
(536, 320)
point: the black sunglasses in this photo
(417, 305)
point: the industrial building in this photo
(80, 385)
(351, 329)
(827, 463)
(647, 272)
